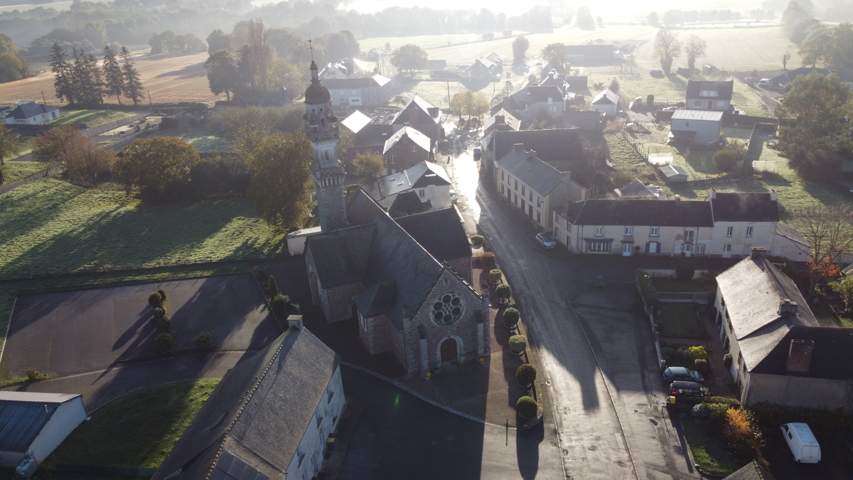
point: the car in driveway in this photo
(672, 374)
(682, 393)
(545, 240)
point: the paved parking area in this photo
(79, 331)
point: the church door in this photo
(449, 350)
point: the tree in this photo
(630, 62)
(280, 186)
(844, 287)
(368, 165)
(519, 50)
(218, 40)
(829, 235)
(7, 45)
(555, 55)
(727, 158)
(694, 49)
(785, 58)
(8, 143)
(667, 48)
(67, 147)
(256, 56)
(61, 69)
(152, 168)
(12, 68)
(584, 19)
(132, 83)
(113, 76)
(614, 86)
(469, 103)
(222, 74)
(652, 19)
(409, 57)
(816, 46)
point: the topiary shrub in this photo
(477, 240)
(162, 295)
(272, 287)
(701, 366)
(526, 407)
(488, 260)
(155, 300)
(697, 353)
(727, 360)
(160, 312)
(164, 325)
(510, 318)
(517, 344)
(279, 305)
(525, 375)
(684, 271)
(165, 342)
(495, 276)
(503, 292)
(203, 339)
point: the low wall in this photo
(819, 393)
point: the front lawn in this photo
(138, 429)
(89, 118)
(14, 171)
(708, 453)
(679, 320)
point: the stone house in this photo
(709, 95)
(780, 353)
(500, 120)
(743, 221)
(547, 99)
(406, 148)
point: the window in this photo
(447, 309)
(522, 190)
(516, 185)
(730, 231)
(599, 231)
(748, 231)
(727, 248)
(721, 104)
(301, 456)
(700, 249)
(598, 246)
(502, 189)
(414, 149)
(319, 419)
(329, 395)
(502, 174)
(392, 159)
(538, 202)
(688, 235)
(538, 217)
(421, 192)
(654, 231)
(697, 103)
(530, 196)
(629, 231)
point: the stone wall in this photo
(339, 301)
(401, 156)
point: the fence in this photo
(636, 145)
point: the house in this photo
(531, 185)
(33, 424)
(501, 120)
(485, 68)
(700, 127)
(422, 116)
(346, 68)
(709, 95)
(785, 78)
(31, 113)
(638, 189)
(780, 353)
(269, 417)
(606, 102)
(373, 91)
(590, 54)
(577, 83)
(743, 221)
(367, 138)
(548, 99)
(408, 287)
(427, 182)
(555, 79)
(630, 226)
(405, 148)
(673, 173)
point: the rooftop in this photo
(531, 170)
(723, 89)
(663, 213)
(684, 114)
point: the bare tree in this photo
(667, 48)
(828, 232)
(694, 49)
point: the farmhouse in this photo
(269, 417)
(701, 127)
(548, 99)
(606, 102)
(404, 149)
(34, 424)
(373, 91)
(709, 95)
(31, 113)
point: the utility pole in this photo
(448, 93)
(42, 97)
(149, 99)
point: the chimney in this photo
(758, 253)
(713, 194)
(518, 147)
(294, 321)
(772, 195)
(407, 124)
(567, 208)
(531, 155)
(787, 307)
(800, 356)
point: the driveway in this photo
(401, 436)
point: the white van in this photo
(802, 442)
(764, 82)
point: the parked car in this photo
(545, 240)
(686, 393)
(764, 82)
(478, 152)
(672, 374)
(802, 442)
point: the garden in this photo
(89, 118)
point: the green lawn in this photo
(679, 320)
(90, 118)
(13, 171)
(203, 140)
(138, 429)
(707, 451)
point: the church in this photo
(407, 280)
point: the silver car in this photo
(545, 240)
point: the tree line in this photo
(12, 66)
(79, 80)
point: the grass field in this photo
(90, 118)
(13, 171)
(142, 426)
(203, 140)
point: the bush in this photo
(168, 123)
(700, 410)
(614, 86)
(724, 400)
(203, 340)
(273, 287)
(164, 325)
(650, 99)
(162, 295)
(165, 342)
(727, 159)
(488, 260)
(741, 433)
(34, 375)
(684, 271)
(477, 240)
(503, 292)
(517, 343)
(697, 353)
(727, 360)
(160, 312)
(717, 411)
(510, 318)
(701, 366)
(279, 305)
(526, 374)
(526, 407)
(495, 275)
(262, 277)
(155, 300)
(647, 289)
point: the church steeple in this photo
(321, 126)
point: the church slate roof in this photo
(408, 203)
(341, 256)
(375, 300)
(440, 232)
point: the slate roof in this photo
(661, 213)
(550, 145)
(412, 134)
(704, 115)
(450, 244)
(342, 256)
(362, 82)
(408, 203)
(753, 290)
(376, 299)
(637, 189)
(254, 420)
(607, 97)
(744, 207)
(372, 135)
(750, 471)
(417, 176)
(792, 75)
(24, 414)
(29, 110)
(723, 88)
(509, 120)
(536, 94)
(356, 121)
(531, 170)
(833, 348)
(425, 111)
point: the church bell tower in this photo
(328, 174)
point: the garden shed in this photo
(34, 424)
(673, 174)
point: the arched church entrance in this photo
(449, 350)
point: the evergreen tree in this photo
(96, 79)
(132, 84)
(113, 76)
(62, 72)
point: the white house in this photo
(426, 182)
(269, 417)
(606, 102)
(31, 113)
(709, 95)
(373, 91)
(34, 424)
(701, 127)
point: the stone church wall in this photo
(462, 266)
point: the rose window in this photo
(447, 309)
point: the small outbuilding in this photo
(31, 113)
(297, 238)
(34, 424)
(606, 102)
(700, 127)
(673, 174)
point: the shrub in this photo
(162, 295)
(203, 339)
(261, 275)
(34, 375)
(168, 123)
(740, 431)
(279, 305)
(700, 410)
(697, 353)
(503, 292)
(510, 318)
(160, 312)
(488, 259)
(614, 86)
(727, 158)
(526, 407)
(727, 360)
(273, 287)
(526, 374)
(701, 366)
(517, 343)
(164, 325)
(165, 342)
(668, 351)
(477, 240)
(684, 271)
(495, 275)
(650, 99)
(155, 300)
(724, 400)
(647, 290)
